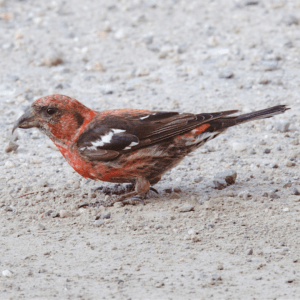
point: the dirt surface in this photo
(240, 242)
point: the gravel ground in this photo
(193, 241)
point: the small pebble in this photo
(295, 191)
(282, 126)
(216, 277)
(267, 151)
(289, 184)
(246, 195)
(76, 185)
(41, 226)
(288, 44)
(263, 142)
(208, 204)
(228, 175)
(226, 74)
(251, 2)
(98, 223)
(54, 214)
(8, 208)
(142, 72)
(290, 281)
(286, 209)
(219, 183)
(12, 146)
(258, 278)
(210, 225)
(230, 194)
(148, 40)
(106, 215)
(290, 163)
(12, 77)
(290, 20)
(9, 164)
(158, 226)
(273, 195)
(239, 147)
(186, 207)
(270, 65)
(203, 199)
(6, 273)
(120, 34)
(197, 179)
(65, 213)
(175, 196)
(249, 251)
(48, 212)
(52, 61)
(191, 231)
(159, 285)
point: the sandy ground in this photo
(241, 242)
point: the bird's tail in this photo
(262, 114)
(225, 122)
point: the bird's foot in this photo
(117, 189)
(112, 200)
(142, 187)
(133, 200)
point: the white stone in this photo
(239, 147)
(98, 223)
(120, 34)
(282, 126)
(65, 213)
(118, 204)
(6, 273)
(191, 231)
(186, 207)
(9, 164)
(286, 209)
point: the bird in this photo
(127, 145)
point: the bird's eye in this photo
(51, 110)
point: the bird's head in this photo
(58, 116)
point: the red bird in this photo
(127, 145)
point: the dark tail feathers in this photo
(223, 123)
(262, 114)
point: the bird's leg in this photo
(142, 187)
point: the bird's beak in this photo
(27, 120)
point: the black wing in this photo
(112, 135)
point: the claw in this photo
(99, 188)
(139, 199)
(154, 190)
(83, 205)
